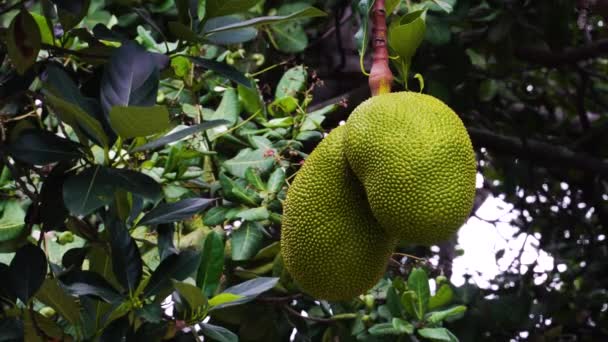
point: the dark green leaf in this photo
(87, 191)
(131, 77)
(276, 180)
(54, 296)
(192, 294)
(135, 182)
(116, 331)
(215, 216)
(152, 312)
(169, 138)
(27, 271)
(53, 212)
(249, 290)
(11, 329)
(218, 333)
(166, 246)
(23, 41)
(71, 12)
(246, 240)
(260, 159)
(126, 258)
(223, 69)
(175, 266)
(175, 212)
(254, 179)
(42, 147)
(131, 122)
(212, 264)
(289, 37)
(216, 8)
(89, 283)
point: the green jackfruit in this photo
(416, 162)
(330, 242)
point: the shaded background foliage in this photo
(528, 78)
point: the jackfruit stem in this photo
(380, 77)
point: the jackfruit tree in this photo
(303, 170)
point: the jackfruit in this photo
(416, 162)
(330, 242)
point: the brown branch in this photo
(568, 56)
(541, 152)
(380, 77)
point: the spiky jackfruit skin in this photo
(330, 242)
(415, 159)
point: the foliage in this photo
(147, 147)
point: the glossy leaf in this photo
(131, 77)
(212, 264)
(174, 212)
(260, 159)
(442, 297)
(132, 121)
(246, 241)
(254, 214)
(71, 12)
(166, 246)
(126, 258)
(53, 212)
(89, 283)
(41, 147)
(88, 191)
(175, 266)
(27, 271)
(406, 34)
(192, 294)
(215, 216)
(218, 333)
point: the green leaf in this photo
(289, 37)
(418, 282)
(438, 31)
(254, 179)
(12, 221)
(250, 98)
(224, 298)
(183, 32)
(169, 138)
(309, 12)
(218, 333)
(442, 297)
(23, 41)
(215, 216)
(406, 34)
(71, 12)
(283, 106)
(175, 212)
(254, 214)
(27, 271)
(437, 334)
(53, 295)
(223, 69)
(381, 329)
(249, 290)
(451, 313)
(89, 283)
(237, 36)
(216, 8)
(391, 5)
(260, 159)
(228, 110)
(73, 115)
(443, 5)
(292, 83)
(131, 122)
(43, 26)
(276, 180)
(175, 266)
(402, 326)
(313, 120)
(126, 258)
(39, 147)
(246, 241)
(212, 264)
(192, 295)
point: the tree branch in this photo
(380, 77)
(541, 152)
(568, 56)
